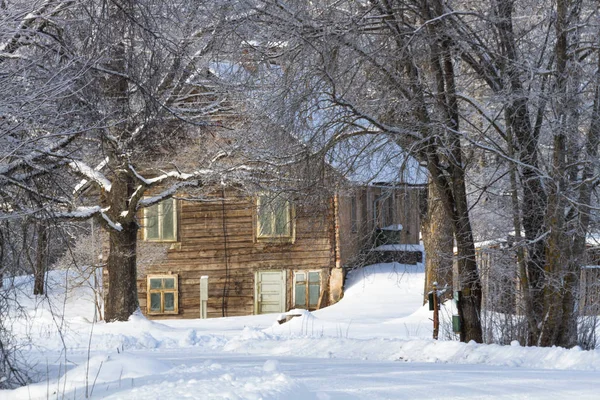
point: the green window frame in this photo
(307, 289)
(160, 221)
(163, 294)
(275, 218)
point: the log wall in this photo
(217, 239)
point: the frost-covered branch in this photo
(92, 174)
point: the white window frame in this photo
(306, 272)
(162, 291)
(159, 219)
(289, 236)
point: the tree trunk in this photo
(41, 259)
(526, 304)
(469, 306)
(453, 185)
(121, 295)
(121, 298)
(525, 146)
(438, 242)
(2, 266)
(560, 324)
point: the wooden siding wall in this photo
(230, 264)
(500, 281)
(589, 303)
(405, 209)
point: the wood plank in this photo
(321, 244)
(212, 267)
(220, 253)
(232, 215)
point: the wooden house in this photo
(380, 210)
(241, 253)
(237, 255)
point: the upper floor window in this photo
(274, 218)
(160, 221)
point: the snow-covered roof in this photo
(593, 239)
(365, 159)
(372, 160)
(393, 227)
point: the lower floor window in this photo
(307, 289)
(162, 294)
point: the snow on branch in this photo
(83, 213)
(34, 21)
(34, 156)
(93, 174)
(148, 201)
(170, 174)
(80, 212)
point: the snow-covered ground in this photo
(374, 344)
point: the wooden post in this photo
(436, 313)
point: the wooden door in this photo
(269, 294)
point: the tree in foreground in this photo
(376, 69)
(149, 86)
(511, 85)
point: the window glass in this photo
(155, 302)
(300, 294)
(169, 283)
(160, 223)
(264, 217)
(314, 288)
(307, 289)
(281, 213)
(155, 283)
(273, 217)
(151, 223)
(162, 294)
(169, 298)
(168, 220)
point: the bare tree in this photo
(150, 89)
(380, 68)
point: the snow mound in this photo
(100, 371)
(381, 319)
